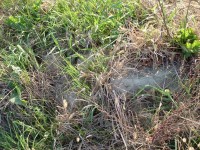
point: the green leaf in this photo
(188, 41)
(188, 45)
(16, 97)
(196, 45)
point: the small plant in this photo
(188, 41)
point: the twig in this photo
(164, 17)
(186, 16)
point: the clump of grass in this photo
(70, 26)
(28, 120)
(30, 128)
(188, 41)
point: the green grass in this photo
(83, 34)
(188, 41)
(30, 126)
(69, 26)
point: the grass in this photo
(58, 60)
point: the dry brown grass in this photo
(120, 120)
(126, 120)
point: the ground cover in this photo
(99, 74)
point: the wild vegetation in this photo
(59, 60)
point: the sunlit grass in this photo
(80, 36)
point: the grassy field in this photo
(58, 60)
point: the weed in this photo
(188, 41)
